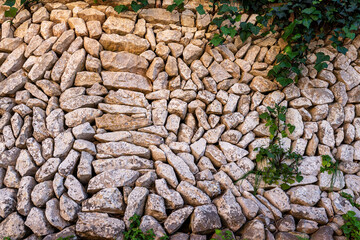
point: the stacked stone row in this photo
(107, 115)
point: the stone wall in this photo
(105, 115)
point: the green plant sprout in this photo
(274, 157)
(331, 167)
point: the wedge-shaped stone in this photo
(114, 136)
(79, 102)
(92, 14)
(64, 41)
(81, 115)
(121, 109)
(120, 122)
(177, 218)
(126, 97)
(87, 79)
(179, 165)
(230, 211)
(112, 179)
(129, 43)
(99, 226)
(118, 25)
(173, 199)
(123, 62)
(123, 162)
(13, 83)
(159, 15)
(38, 223)
(208, 212)
(14, 61)
(52, 214)
(108, 200)
(136, 203)
(310, 213)
(232, 152)
(262, 84)
(146, 139)
(117, 149)
(75, 64)
(192, 195)
(10, 44)
(318, 95)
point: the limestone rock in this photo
(230, 211)
(200, 213)
(92, 225)
(113, 178)
(129, 43)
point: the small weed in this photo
(330, 167)
(351, 228)
(274, 156)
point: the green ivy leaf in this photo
(299, 178)
(228, 31)
(289, 30)
(309, 10)
(10, 3)
(321, 57)
(264, 115)
(291, 128)
(120, 8)
(217, 40)
(171, 7)
(137, 6)
(342, 50)
(218, 21)
(200, 9)
(11, 12)
(284, 81)
(282, 117)
(306, 22)
(285, 186)
(320, 66)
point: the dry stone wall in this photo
(107, 115)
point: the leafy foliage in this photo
(331, 167)
(14, 10)
(177, 4)
(351, 228)
(135, 233)
(298, 21)
(275, 156)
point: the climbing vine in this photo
(298, 22)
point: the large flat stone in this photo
(112, 179)
(130, 43)
(126, 80)
(123, 62)
(117, 149)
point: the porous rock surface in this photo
(106, 115)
